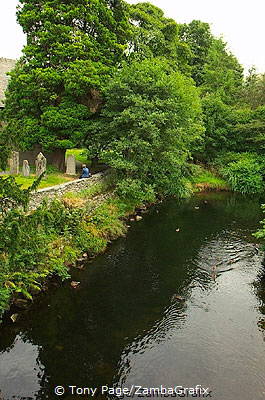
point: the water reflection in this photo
(21, 356)
(214, 332)
(124, 325)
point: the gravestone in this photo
(14, 163)
(71, 165)
(25, 168)
(41, 164)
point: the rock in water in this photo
(75, 284)
(177, 298)
(21, 303)
(14, 317)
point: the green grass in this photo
(49, 180)
(80, 155)
(205, 180)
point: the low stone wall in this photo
(58, 191)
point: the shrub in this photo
(150, 120)
(244, 172)
(135, 190)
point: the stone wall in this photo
(6, 65)
(30, 155)
(58, 191)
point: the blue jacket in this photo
(85, 173)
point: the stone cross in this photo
(41, 164)
(71, 165)
(25, 168)
(14, 163)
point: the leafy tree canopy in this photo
(253, 91)
(72, 49)
(151, 117)
(231, 129)
(197, 35)
(154, 35)
(214, 68)
(218, 121)
(222, 73)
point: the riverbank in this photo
(206, 180)
(59, 234)
(68, 228)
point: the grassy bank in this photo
(204, 180)
(49, 180)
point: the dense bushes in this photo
(243, 171)
(147, 127)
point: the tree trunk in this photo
(94, 164)
(97, 166)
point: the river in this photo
(179, 301)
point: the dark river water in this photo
(125, 326)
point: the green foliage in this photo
(205, 180)
(230, 129)
(72, 49)
(11, 194)
(148, 124)
(81, 155)
(244, 172)
(197, 35)
(135, 190)
(222, 73)
(260, 234)
(218, 121)
(48, 240)
(253, 91)
(249, 130)
(155, 36)
(106, 220)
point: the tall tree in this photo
(219, 120)
(222, 73)
(154, 35)
(214, 68)
(146, 129)
(197, 35)
(72, 49)
(253, 91)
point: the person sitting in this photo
(85, 172)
